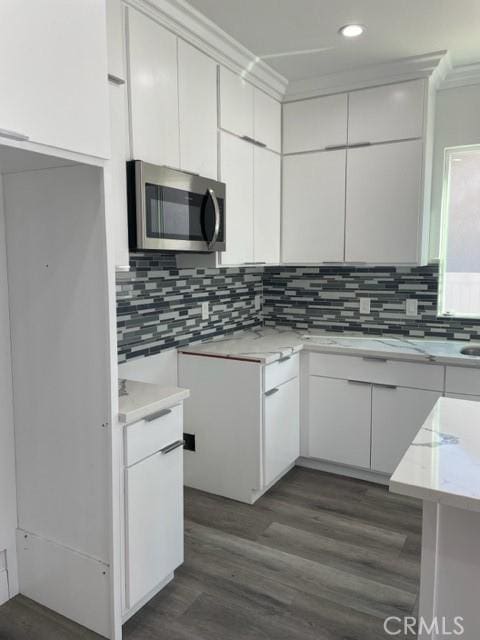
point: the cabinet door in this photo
(310, 125)
(397, 415)
(392, 112)
(266, 207)
(53, 66)
(267, 120)
(384, 198)
(281, 429)
(313, 220)
(339, 420)
(236, 170)
(115, 38)
(154, 522)
(152, 59)
(197, 87)
(236, 104)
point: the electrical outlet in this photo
(205, 310)
(411, 307)
(365, 305)
(258, 303)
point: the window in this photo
(459, 285)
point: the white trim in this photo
(462, 75)
(191, 25)
(341, 470)
(422, 66)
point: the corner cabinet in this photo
(374, 206)
(53, 65)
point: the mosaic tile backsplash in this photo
(159, 306)
(328, 299)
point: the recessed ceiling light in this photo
(351, 30)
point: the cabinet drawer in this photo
(462, 380)
(150, 435)
(378, 370)
(280, 371)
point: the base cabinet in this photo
(397, 415)
(339, 421)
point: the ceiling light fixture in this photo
(351, 30)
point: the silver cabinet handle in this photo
(362, 382)
(253, 141)
(172, 447)
(115, 79)
(158, 414)
(216, 208)
(385, 386)
(374, 359)
(355, 145)
(334, 147)
(13, 135)
(252, 264)
(284, 358)
(272, 391)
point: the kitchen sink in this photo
(471, 351)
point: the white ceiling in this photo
(395, 29)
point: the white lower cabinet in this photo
(339, 421)
(281, 429)
(397, 415)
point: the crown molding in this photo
(191, 25)
(422, 66)
(461, 76)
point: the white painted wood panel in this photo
(236, 104)
(397, 415)
(280, 371)
(236, 170)
(115, 38)
(197, 95)
(152, 65)
(266, 206)
(267, 120)
(53, 65)
(339, 421)
(146, 437)
(310, 125)
(384, 201)
(464, 380)
(281, 429)
(154, 525)
(73, 584)
(396, 372)
(313, 216)
(391, 112)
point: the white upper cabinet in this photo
(153, 87)
(236, 170)
(383, 209)
(266, 207)
(391, 112)
(313, 218)
(236, 104)
(311, 125)
(115, 40)
(267, 121)
(53, 66)
(197, 88)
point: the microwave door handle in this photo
(216, 208)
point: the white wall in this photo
(457, 122)
(8, 506)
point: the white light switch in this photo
(411, 307)
(205, 310)
(365, 305)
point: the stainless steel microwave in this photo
(173, 210)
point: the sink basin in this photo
(471, 351)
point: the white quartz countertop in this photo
(443, 462)
(268, 344)
(142, 399)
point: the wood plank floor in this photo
(319, 557)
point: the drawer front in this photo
(146, 437)
(280, 371)
(462, 380)
(378, 370)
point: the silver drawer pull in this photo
(385, 386)
(358, 382)
(284, 359)
(158, 414)
(272, 391)
(356, 145)
(374, 359)
(13, 135)
(334, 147)
(173, 446)
(248, 139)
(115, 79)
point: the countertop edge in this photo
(164, 403)
(467, 503)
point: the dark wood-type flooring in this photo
(319, 557)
